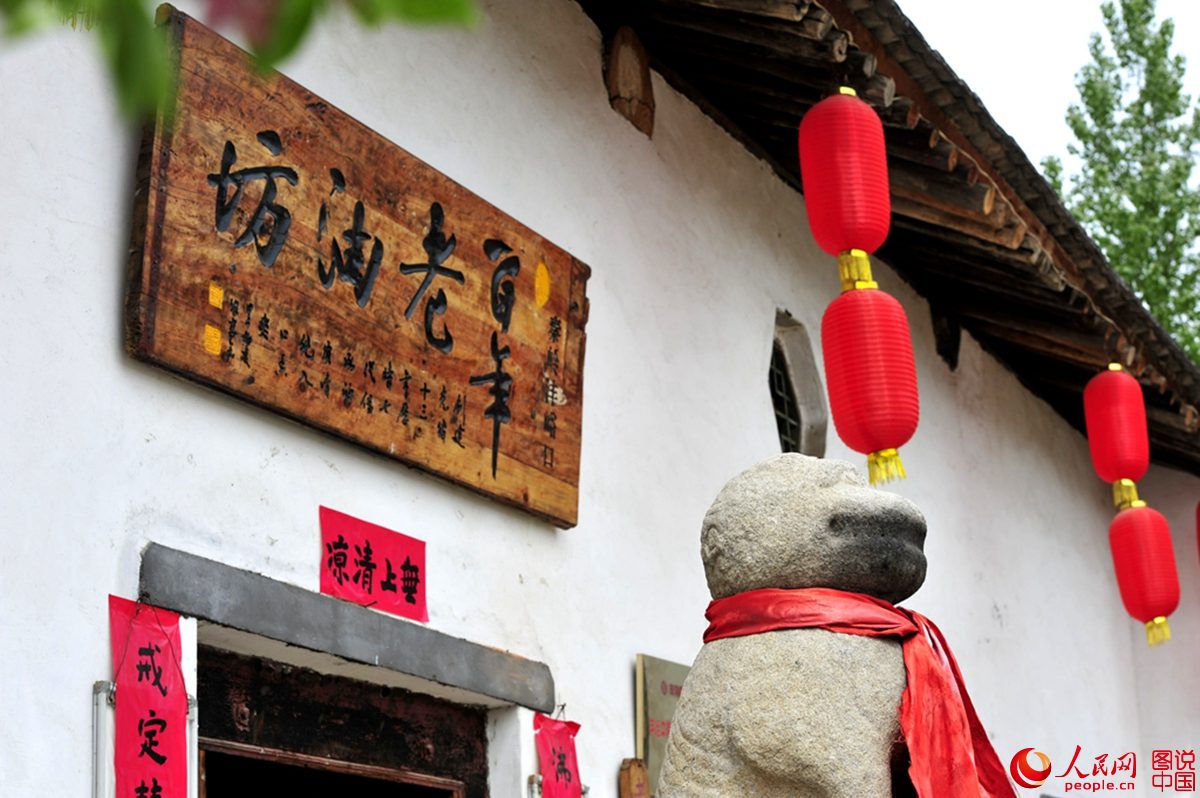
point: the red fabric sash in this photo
(950, 752)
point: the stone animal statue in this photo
(799, 712)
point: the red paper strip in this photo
(555, 740)
(372, 565)
(150, 756)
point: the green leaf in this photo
(136, 52)
(1052, 168)
(292, 21)
(424, 12)
(24, 16)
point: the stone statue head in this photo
(795, 521)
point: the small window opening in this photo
(787, 414)
(796, 390)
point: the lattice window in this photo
(796, 391)
(787, 414)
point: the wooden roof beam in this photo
(787, 10)
(787, 39)
(923, 147)
(726, 64)
(1009, 237)
(944, 191)
(1058, 344)
(946, 282)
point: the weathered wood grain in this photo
(278, 712)
(408, 373)
(627, 77)
(632, 780)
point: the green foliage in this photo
(291, 24)
(294, 18)
(435, 12)
(137, 52)
(1137, 136)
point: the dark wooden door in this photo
(264, 773)
(305, 733)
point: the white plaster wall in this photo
(693, 245)
(1169, 683)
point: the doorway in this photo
(269, 728)
(232, 773)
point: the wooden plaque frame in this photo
(289, 256)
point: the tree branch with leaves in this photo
(136, 52)
(1137, 137)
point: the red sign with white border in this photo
(373, 566)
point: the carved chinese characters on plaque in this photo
(287, 255)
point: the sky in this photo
(1021, 57)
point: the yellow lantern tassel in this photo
(884, 466)
(1158, 631)
(1124, 493)
(854, 268)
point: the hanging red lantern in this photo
(1115, 413)
(1144, 560)
(869, 364)
(843, 166)
(871, 376)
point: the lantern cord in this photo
(885, 466)
(854, 268)
(1158, 631)
(1125, 495)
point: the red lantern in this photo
(868, 350)
(1115, 413)
(871, 376)
(843, 165)
(1144, 561)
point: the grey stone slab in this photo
(250, 602)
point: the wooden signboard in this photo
(287, 255)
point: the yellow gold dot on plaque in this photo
(212, 340)
(216, 295)
(541, 284)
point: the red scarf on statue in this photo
(950, 752)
